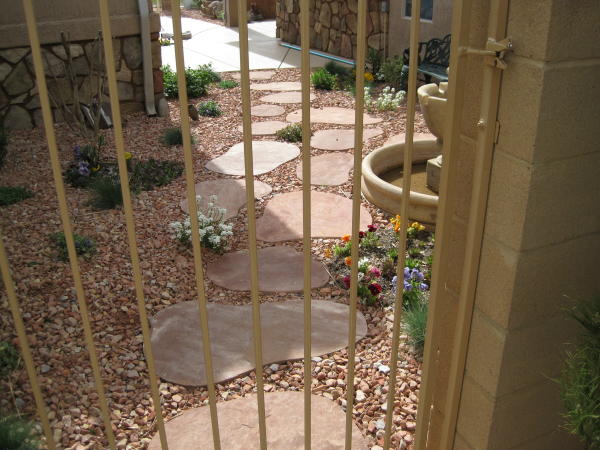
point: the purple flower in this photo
(406, 273)
(423, 287)
(416, 275)
(394, 283)
(77, 152)
(407, 286)
(84, 169)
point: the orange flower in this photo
(348, 260)
(346, 237)
(327, 253)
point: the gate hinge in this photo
(493, 53)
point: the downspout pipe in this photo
(147, 57)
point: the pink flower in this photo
(375, 271)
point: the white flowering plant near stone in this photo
(214, 232)
(388, 100)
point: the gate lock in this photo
(493, 54)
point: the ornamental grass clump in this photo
(10, 195)
(105, 193)
(84, 246)
(214, 232)
(415, 324)
(16, 434)
(228, 84)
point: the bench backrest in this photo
(434, 51)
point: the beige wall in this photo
(542, 231)
(78, 17)
(399, 27)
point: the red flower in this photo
(375, 288)
(361, 234)
(347, 281)
(372, 228)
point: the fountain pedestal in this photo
(434, 171)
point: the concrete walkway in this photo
(219, 45)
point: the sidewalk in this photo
(219, 46)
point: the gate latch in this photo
(493, 53)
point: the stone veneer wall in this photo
(19, 101)
(332, 25)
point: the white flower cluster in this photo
(388, 100)
(214, 233)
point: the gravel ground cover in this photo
(46, 294)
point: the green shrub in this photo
(338, 70)
(415, 324)
(84, 246)
(146, 175)
(322, 79)
(9, 359)
(291, 133)
(10, 195)
(3, 146)
(209, 108)
(374, 60)
(196, 80)
(392, 73)
(105, 193)
(228, 84)
(16, 434)
(173, 136)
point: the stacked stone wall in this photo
(19, 100)
(333, 25)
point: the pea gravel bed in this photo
(47, 297)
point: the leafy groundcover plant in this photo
(10, 195)
(84, 246)
(291, 133)
(16, 434)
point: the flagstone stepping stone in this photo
(280, 269)
(266, 128)
(277, 86)
(267, 110)
(257, 75)
(231, 194)
(285, 97)
(399, 138)
(332, 114)
(340, 139)
(331, 216)
(238, 425)
(267, 155)
(328, 170)
(176, 337)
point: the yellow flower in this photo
(397, 222)
(128, 155)
(96, 169)
(327, 253)
(417, 226)
(369, 77)
(348, 260)
(346, 237)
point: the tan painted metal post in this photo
(356, 197)
(13, 304)
(306, 214)
(460, 20)
(415, 22)
(249, 173)
(481, 177)
(64, 214)
(128, 210)
(193, 211)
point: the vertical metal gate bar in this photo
(13, 303)
(461, 14)
(252, 248)
(306, 214)
(481, 178)
(356, 197)
(64, 213)
(415, 22)
(193, 211)
(128, 210)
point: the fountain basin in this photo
(385, 195)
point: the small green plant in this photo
(214, 232)
(228, 84)
(415, 324)
(338, 70)
(16, 434)
(322, 79)
(209, 108)
(3, 146)
(86, 163)
(197, 4)
(84, 246)
(291, 133)
(105, 193)
(10, 195)
(173, 136)
(414, 252)
(146, 175)
(9, 359)
(392, 73)
(196, 80)
(374, 60)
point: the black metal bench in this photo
(433, 59)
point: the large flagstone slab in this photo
(333, 115)
(280, 269)
(337, 139)
(176, 337)
(231, 194)
(331, 216)
(328, 170)
(267, 155)
(266, 128)
(267, 110)
(399, 138)
(239, 430)
(277, 86)
(285, 97)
